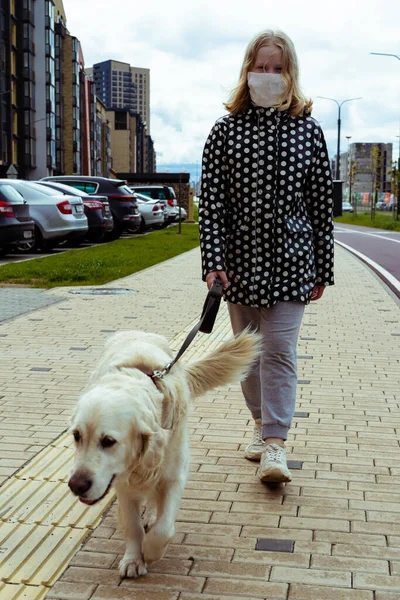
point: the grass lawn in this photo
(383, 220)
(103, 263)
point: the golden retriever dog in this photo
(131, 432)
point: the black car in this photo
(16, 225)
(123, 204)
(97, 210)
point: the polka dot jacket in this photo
(265, 208)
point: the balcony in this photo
(28, 45)
(28, 74)
(29, 102)
(28, 16)
(29, 161)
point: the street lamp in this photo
(384, 54)
(348, 138)
(398, 159)
(338, 135)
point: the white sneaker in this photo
(273, 465)
(256, 447)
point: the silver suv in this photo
(165, 195)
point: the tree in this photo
(375, 167)
(353, 170)
(394, 176)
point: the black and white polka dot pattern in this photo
(265, 209)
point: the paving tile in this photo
(228, 570)
(104, 592)
(373, 581)
(71, 591)
(347, 563)
(311, 576)
(232, 587)
(299, 591)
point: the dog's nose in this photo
(80, 483)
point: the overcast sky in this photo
(195, 49)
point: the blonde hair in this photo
(294, 101)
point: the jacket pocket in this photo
(298, 225)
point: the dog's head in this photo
(117, 430)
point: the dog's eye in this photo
(77, 436)
(107, 442)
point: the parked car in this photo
(152, 212)
(181, 212)
(162, 193)
(123, 205)
(380, 205)
(97, 210)
(347, 207)
(57, 217)
(390, 205)
(16, 224)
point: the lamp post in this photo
(339, 105)
(384, 54)
(348, 138)
(398, 159)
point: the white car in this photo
(57, 216)
(152, 212)
(347, 207)
(182, 213)
(163, 194)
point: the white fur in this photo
(148, 463)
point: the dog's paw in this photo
(149, 517)
(154, 544)
(131, 566)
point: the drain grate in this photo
(103, 291)
(274, 545)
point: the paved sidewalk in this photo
(341, 511)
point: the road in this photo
(378, 245)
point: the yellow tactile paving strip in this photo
(42, 524)
(22, 592)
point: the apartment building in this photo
(17, 88)
(45, 89)
(101, 139)
(119, 85)
(60, 31)
(27, 88)
(372, 162)
(132, 149)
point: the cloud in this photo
(195, 50)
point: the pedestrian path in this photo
(332, 533)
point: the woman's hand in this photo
(317, 292)
(213, 275)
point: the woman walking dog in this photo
(266, 229)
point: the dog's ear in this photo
(153, 449)
(168, 413)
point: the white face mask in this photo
(266, 88)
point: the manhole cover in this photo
(104, 292)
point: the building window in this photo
(121, 121)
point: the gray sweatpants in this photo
(270, 387)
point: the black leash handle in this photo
(205, 325)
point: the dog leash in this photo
(205, 325)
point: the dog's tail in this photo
(229, 362)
